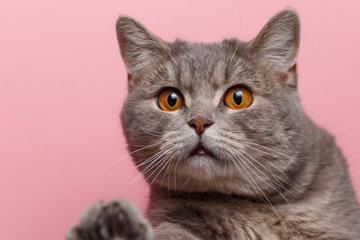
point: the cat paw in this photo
(114, 220)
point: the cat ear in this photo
(278, 41)
(138, 46)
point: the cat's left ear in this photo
(278, 43)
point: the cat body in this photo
(219, 133)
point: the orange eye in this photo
(170, 100)
(238, 98)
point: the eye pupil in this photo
(172, 99)
(238, 97)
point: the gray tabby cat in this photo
(220, 135)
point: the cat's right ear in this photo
(138, 46)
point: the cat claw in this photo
(114, 220)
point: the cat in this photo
(220, 135)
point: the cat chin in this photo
(201, 167)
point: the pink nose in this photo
(200, 125)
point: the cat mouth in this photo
(201, 151)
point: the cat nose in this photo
(200, 125)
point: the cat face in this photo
(221, 117)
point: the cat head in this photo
(221, 117)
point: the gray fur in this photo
(273, 174)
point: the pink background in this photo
(62, 83)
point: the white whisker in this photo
(279, 183)
(271, 186)
(263, 194)
(152, 160)
(166, 160)
(272, 150)
(177, 162)
(107, 167)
